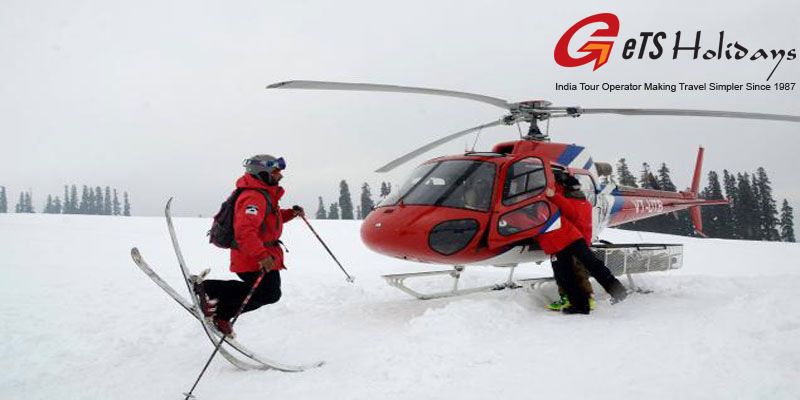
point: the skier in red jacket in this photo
(257, 224)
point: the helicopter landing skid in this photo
(398, 281)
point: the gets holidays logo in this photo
(598, 48)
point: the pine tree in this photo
(757, 206)
(624, 176)
(65, 208)
(48, 208)
(91, 209)
(98, 201)
(715, 218)
(787, 222)
(57, 206)
(731, 193)
(20, 206)
(115, 205)
(107, 201)
(25, 204)
(746, 210)
(29, 203)
(126, 207)
(646, 178)
(345, 200)
(321, 214)
(73, 202)
(83, 208)
(3, 200)
(767, 206)
(367, 205)
(664, 180)
(333, 212)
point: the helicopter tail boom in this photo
(633, 204)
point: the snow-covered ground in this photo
(78, 320)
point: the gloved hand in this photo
(298, 211)
(267, 263)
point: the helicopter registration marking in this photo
(648, 206)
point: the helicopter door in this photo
(522, 210)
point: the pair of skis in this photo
(252, 361)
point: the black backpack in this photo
(221, 233)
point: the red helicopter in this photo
(486, 208)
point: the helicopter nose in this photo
(390, 231)
(421, 233)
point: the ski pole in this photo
(221, 340)
(349, 278)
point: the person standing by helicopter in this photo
(257, 224)
(577, 210)
(555, 243)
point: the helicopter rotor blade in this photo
(677, 112)
(371, 87)
(406, 157)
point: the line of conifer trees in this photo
(343, 209)
(93, 201)
(752, 213)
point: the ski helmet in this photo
(262, 165)
(567, 180)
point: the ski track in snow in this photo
(80, 321)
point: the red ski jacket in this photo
(257, 225)
(578, 211)
(562, 232)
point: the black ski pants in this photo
(231, 294)
(560, 273)
(596, 268)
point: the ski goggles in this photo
(278, 163)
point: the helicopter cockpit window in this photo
(525, 179)
(453, 183)
(587, 187)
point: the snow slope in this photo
(80, 321)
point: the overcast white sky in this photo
(166, 98)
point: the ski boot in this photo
(558, 305)
(224, 326)
(563, 301)
(618, 293)
(207, 306)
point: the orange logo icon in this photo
(596, 50)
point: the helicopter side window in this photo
(525, 179)
(587, 187)
(452, 183)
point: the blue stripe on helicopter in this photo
(588, 164)
(551, 221)
(569, 154)
(618, 201)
